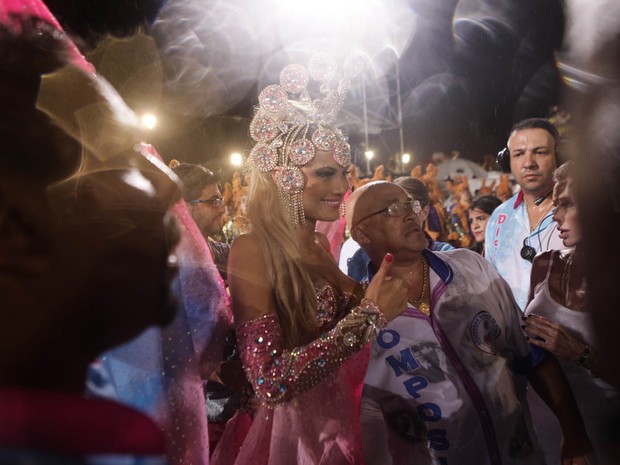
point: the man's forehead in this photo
(378, 197)
(531, 135)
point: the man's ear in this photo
(360, 236)
(424, 213)
(24, 249)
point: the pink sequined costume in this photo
(306, 405)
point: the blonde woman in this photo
(303, 327)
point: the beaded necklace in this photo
(420, 304)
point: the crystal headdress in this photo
(289, 131)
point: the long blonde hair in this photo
(293, 289)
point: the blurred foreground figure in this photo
(559, 321)
(85, 253)
(160, 372)
(591, 66)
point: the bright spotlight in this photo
(369, 154)
(149, 121)
(236, 159)
(366, 25)
(406, 158)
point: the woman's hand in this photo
(388, 292)
(551, 336)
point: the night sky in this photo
(468, 70)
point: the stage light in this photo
(149, 121)
(236, 159)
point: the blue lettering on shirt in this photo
(388, 338)
(415, 384)
(437, 439)
(407, 362)
(429, 412)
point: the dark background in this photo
(469, 71)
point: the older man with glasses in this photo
(354, 261)
(472, 410)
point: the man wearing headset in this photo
(523, 225)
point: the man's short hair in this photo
(538, 123)
(194, 178)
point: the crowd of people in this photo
(449, 211)
(435, 334)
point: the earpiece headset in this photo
(540, 200)
(527, 251)
(503, 160)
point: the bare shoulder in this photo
(539, 270)
(245, 241)
(541, 262)
(248, 280)
(245, 255)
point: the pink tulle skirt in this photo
(319, 426)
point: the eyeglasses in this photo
(397, 209)
(215, 203)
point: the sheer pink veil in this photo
(162, 372)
